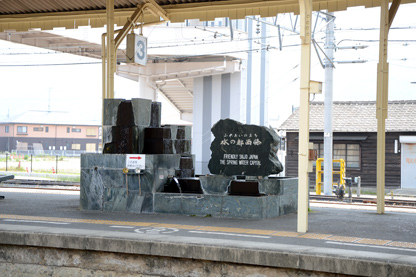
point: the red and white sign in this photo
(134, 161)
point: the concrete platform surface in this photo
(342, 239)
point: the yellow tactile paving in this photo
(343, 239)
(214, 229)
(76, 220)
(261, 232)
(373, 241)
(285, 234)
(209, 229)
(177, 226)
(189, 227)
(314, 236)
(220, 229)
(402, 244)
(128, 223)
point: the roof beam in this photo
(151, 6)
(207, 10)
(392, 11)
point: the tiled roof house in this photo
(49, 130)
(355, 139)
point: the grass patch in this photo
(75, 178)
(311, 211)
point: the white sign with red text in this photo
(135, 161)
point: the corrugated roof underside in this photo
(23, 15)
(47, 6)
(180, 93)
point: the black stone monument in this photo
(240, 149)
(125, 133)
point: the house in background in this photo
(355, 141)
(39, 131)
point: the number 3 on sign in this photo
(141, 50)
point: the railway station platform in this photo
(43, 232)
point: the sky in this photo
(351, 81)
(30, 82)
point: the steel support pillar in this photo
(382, 97)
(109, 57)
(386, 19)
(111, 52)
(305, 67)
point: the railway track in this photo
(74, 186)
(365, 200)
(41, 184)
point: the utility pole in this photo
(329, 73)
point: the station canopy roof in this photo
(24, 15)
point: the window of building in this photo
(319, 147)
(76, 146)
(22, 129)
(91, 132)
(350, 153)
(76, 130)
(46, 129)
(353, 155)
(68, 130)
(6, 129)
(38, 129)
(90, 147)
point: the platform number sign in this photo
(136, 49)
(140, 50)
(134, 161)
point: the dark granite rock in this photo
(141, 111)
(186, 167)
(180, 137)
(135, 202)
(247, 188)
(190, 185)
(182, 146)
(140, 139)
(158, 146)
(188, 132)
(95, 192)
(125, 115)
(184, 173)
(104, 187)
(157, 133)
(183, 185)
(157, 141)
(240, 149)
(186, 163)
(180, 134)
(215, 184)
(172, 186)
(107, 134)
(124, 140)
(110, 111)
(156, 114)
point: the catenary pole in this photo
(329, 74)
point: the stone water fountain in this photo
(149, 168)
